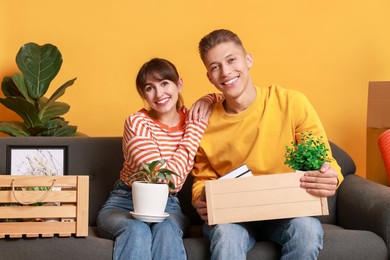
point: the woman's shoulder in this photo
(138, 117)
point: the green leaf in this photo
(59, 108)
(61, 90)
(171, 186)
(58, 127)
(68, 130)
(13, 128)
(24, 109)
(9, 88)
(54, 110)
(39, 65)
(153, 165)
(170, 183)
(36, 130)
(146, 167)
(168, 172)
(18, 79)
(160, 176)
(138, 175)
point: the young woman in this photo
(163, 131)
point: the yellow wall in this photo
(329, 50)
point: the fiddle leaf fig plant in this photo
(307, 155)
(24, 94)
(154, 173)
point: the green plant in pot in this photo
(154, 173)
(150, 191)
(307, 155)
(24, 94)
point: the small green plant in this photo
(307, 155)
(153, 173)
(24, 94)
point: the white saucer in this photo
(149, 218)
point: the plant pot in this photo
(149, 198)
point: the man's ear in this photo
(208, 76)
(249, 60)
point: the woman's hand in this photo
(201, 109)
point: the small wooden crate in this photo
(265, 197)
(69, 206)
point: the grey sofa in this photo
(358, 226)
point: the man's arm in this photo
(325, 181)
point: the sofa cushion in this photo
(339, 244)
(58, 248)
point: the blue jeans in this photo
(135, 239)
(300, 238)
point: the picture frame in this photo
(37, 160)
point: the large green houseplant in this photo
(24, 94)
(307, 155)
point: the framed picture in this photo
(37, 160)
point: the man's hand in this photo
(322, 183)
(201, 206)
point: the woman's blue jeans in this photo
(300, 238)
(136, 239)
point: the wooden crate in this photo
(274, 196)
(68, 202)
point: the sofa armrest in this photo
(364, 205)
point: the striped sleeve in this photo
(138, 146)
(212, 97)
(183, 160)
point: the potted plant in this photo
(307, 155)
(24, 94)
(150, 190)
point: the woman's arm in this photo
(141, 145)
(201, 109)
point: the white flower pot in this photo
(149, 198)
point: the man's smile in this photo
(231, 81)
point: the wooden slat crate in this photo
(274, 196)
(66, 203)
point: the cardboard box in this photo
(273, 196)
(378, 107)
(18, 214)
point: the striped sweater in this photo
(146, 140)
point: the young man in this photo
(254, 125)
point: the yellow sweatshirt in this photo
(258, 136)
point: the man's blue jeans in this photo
(300, 238)
(135, 239)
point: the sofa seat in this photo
(338, 244)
